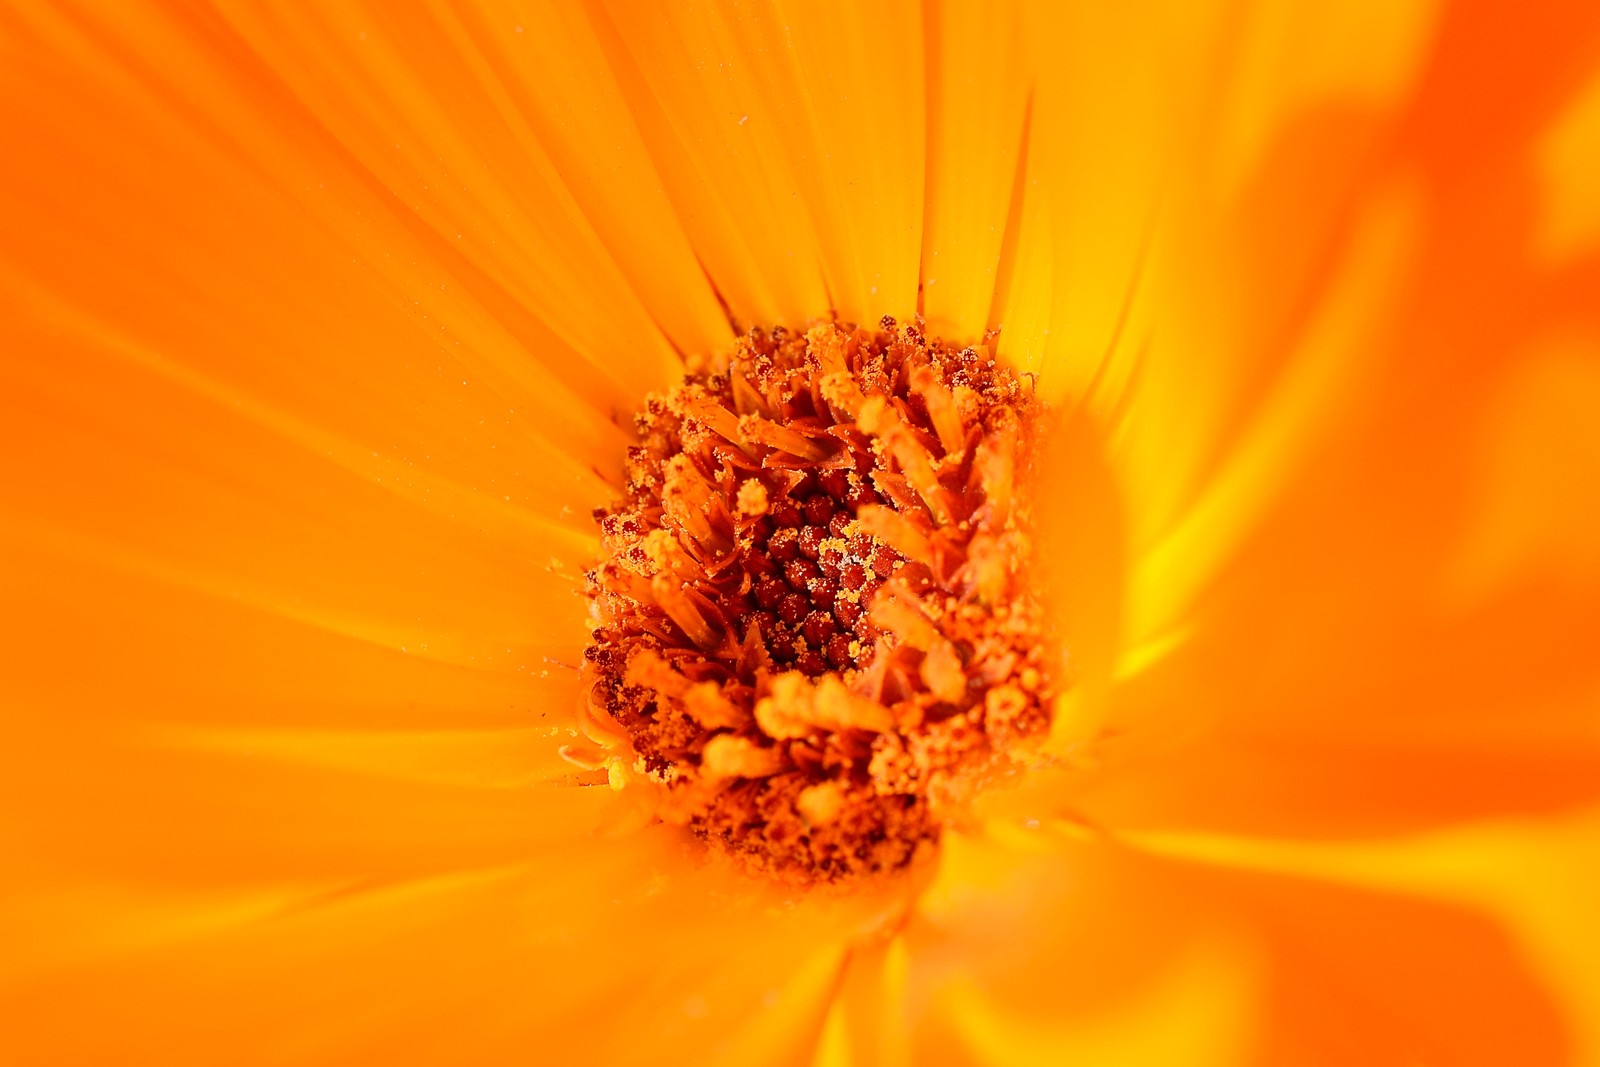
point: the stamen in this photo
(762, 431)
(900, 613)
(941, 409)
(674, 599)
(797, 708)
(732, 756)
(812, 633)
(883, 422)
(897, 531)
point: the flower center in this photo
(813, 631)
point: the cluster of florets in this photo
(812, 634)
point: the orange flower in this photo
(318, 327)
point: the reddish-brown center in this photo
(813, 634)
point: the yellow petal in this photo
(1101, 169)
(1536, 516)
(1196, 1013)
(1539, 879)
(1025, 286)
(1568, 158)
(869, 1022)
(1335, 349)
(415, 101)
(977, 103)
(83, 925)
(714, 89)
(859, 134)
(1293, 58)
(484, 759)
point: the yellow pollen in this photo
(812, 631)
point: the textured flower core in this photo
(813, 630)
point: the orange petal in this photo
(859, 130)
(226, 226)
(977, 105)
(1535, 880)
(714, 90)
(1533, 519)
(1297, 970)
(1569, 223)
(595, 953)
(1412, 602)
(416, 101)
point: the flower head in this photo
(1223, 690)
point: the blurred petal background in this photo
(320, 327)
